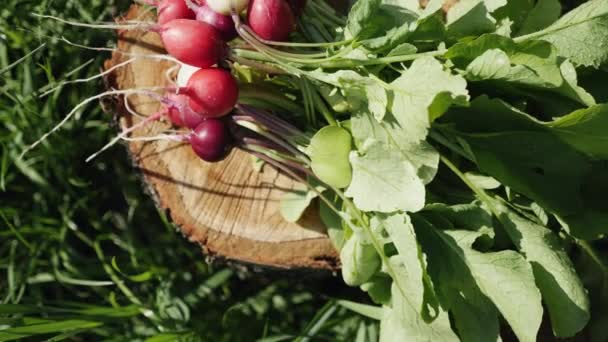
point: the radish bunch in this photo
(195, 33)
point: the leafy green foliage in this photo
(544, 13)
(472, 147)
(562, 290)
(573, 33)
(390, 175)
(529, 150)
(519, 151)
(403, 319)
(584, 130)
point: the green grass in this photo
(84, 254)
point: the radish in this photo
(210, 140)
(271, 19)
(172, 9)
(226, 7)
(189, 41)
(213, 92)
(180, 113)
(192, 42)
(223, 23)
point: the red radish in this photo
(173, 9)
(193, 42)
(180, 112)
(223, 23)
(213, 92)
(210, 140)
(271, 19)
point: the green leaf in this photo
(561, 288)
(529, 64)
(420, 153)
(529, 71)
(507, 280)
(466, 50)
(295, 202)
(482, 181)
(520, 151)
(580, 35)
(45, 327)
(359, 261)
(392, 24)
(360, 91)
(166, 337)
(514, 10)
(141, 277)
(403, 49)
(469, 18)
(585, 130)
(82, 310)
(328, 150)
(360, 15)
(384, 181)
(475, 317)
(403, 321)
(378, 288)
(503, 277)
(544, 13)
(333, 223)
(373, 312)
(416, 91)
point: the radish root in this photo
(81, 105)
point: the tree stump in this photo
(228, 208)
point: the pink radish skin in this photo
(213, 92)
(192, 42)
(223, 23)
(173, 9)
(180, 113)
(210, 140)
(271, 19)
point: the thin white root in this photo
(83, 80)
(154, 117)
(192, 6)
(15, 63)
(168, 75)
(139, 55)
(81, 105)
(129, 109)
(171, 137)
(113, 26)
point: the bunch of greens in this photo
(465, 160)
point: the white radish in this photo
(225, 7)
(184, 73)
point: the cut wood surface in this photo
(230, 209)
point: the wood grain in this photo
(228, 208)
